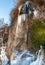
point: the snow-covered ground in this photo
(26, 58)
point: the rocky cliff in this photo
(21, 22)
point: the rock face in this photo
(20, 29)
(4, 35)
(18, 34)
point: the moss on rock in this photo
(38, 34)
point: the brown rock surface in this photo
(17, 35)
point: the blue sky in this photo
(5, 8)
